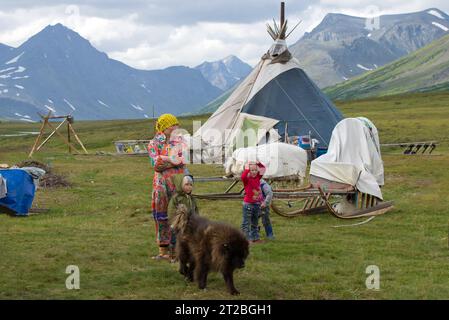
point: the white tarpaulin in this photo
(280, 159)
(353, 157)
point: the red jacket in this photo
(252, 185)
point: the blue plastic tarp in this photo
(21, 191)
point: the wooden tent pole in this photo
(41, 132)
(77, 138)
(68, 135)
(282, 15)
(51, 135)
(63, 138)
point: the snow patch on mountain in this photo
(50, 108)
(136, 107)
(14, 60)
(436, 24)
(363, 67)
(27, 120)
(143, 86)
(7, 69)
(69, 104)
(436, 14)
(20, 69)
(24, 117)
(19, 87)
(102, 103)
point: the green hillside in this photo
(424, 70)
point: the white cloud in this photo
(152, 34)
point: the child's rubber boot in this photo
(163, 254)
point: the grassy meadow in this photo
(103, 224)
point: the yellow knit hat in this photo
(165, 121)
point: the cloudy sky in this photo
(154, 34)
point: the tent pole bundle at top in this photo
(277, 95)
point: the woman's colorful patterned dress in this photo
(163, 154)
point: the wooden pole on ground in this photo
(62, 137)
(68, 135)
(77, 138)
(51, 135)
(41, 132)
(67, 140)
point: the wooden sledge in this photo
(308, 200)
(366, 206)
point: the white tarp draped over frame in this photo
(353, 157)
(280, 159)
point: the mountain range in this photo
(424, 70)
(57, 70)
(225, 73)
(342, 47)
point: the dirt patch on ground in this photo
(50, 179)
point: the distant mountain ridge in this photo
(224, 73)
(342, 47)
(57, 70)
(424, 70)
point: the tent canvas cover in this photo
(278, 96)
(353, 157)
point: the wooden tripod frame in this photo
(67, 119)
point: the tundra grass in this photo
(103, 224)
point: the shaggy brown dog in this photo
(204, 246)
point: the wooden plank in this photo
(68, 135)
(77, 138)
(231, 186)
(41, 132)
(49, 137)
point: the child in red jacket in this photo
(251, 202)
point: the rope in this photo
(355, 224)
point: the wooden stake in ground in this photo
(67, 141)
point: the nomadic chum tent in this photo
(277, 95)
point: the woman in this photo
(166, 156)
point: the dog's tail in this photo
(181, 219)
